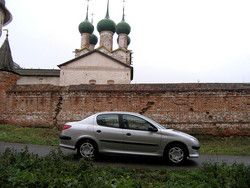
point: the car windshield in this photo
(154, 122)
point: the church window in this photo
(110, 82)
(92, 82)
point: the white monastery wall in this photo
(94, 69)
(30, 80)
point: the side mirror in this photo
(152, 129)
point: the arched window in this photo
(110, 82)
(92, 82)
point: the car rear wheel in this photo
(176, 153)
(87, 149)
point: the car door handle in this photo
(98, 131)
(128, 134)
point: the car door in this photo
(109, 133)
(140, 135)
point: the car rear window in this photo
(108, 120)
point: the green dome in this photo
(93, 39)
(106, 25)
(86, 27)
(123, 27)
(129, 40)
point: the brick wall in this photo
(218, 109)
(7, 80)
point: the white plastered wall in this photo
(30, 80)
(94, 67)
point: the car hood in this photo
(175, 133)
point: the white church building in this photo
(92, 64)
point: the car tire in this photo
(176, 154)
(87, 149)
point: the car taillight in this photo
(66, 127)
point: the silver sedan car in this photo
(127, 133)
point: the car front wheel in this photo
(87, 149)
(176, 154)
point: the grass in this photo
(40, 136)
(46, 136)
(55, 170)
(224, 145)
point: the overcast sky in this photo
(171, 40)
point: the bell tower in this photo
(123, 29)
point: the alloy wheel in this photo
(176, 155)
(87, 150)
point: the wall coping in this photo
(147, 88)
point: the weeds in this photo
(55, 170)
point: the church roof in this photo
(6, 61)
(91, 52)
(39, 72)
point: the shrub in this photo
(55, 170)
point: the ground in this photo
(47, 136)
(43, 165)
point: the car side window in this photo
(135, 123)
(108, 120)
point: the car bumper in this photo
(194, 155)
(66, 142)
(194, 152)
(67, 146)
(62, 137)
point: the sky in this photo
(173, 41)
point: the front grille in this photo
(65, 137)
(196, 147)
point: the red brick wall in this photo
(7, 80)
(218, 109)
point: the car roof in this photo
(118, 112)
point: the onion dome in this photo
(106, 24)
(8, 16)
(93, 39)
(129, 40)
(123, 27)
(2, 2)
(86, 27)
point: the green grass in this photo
(225, 145)
(46, 136)
(40, 136)
(56, 170)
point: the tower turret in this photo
(93, 40)
(6, 61)
(123, 29)
(106, 27)
(5, 15)
(86, 29)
